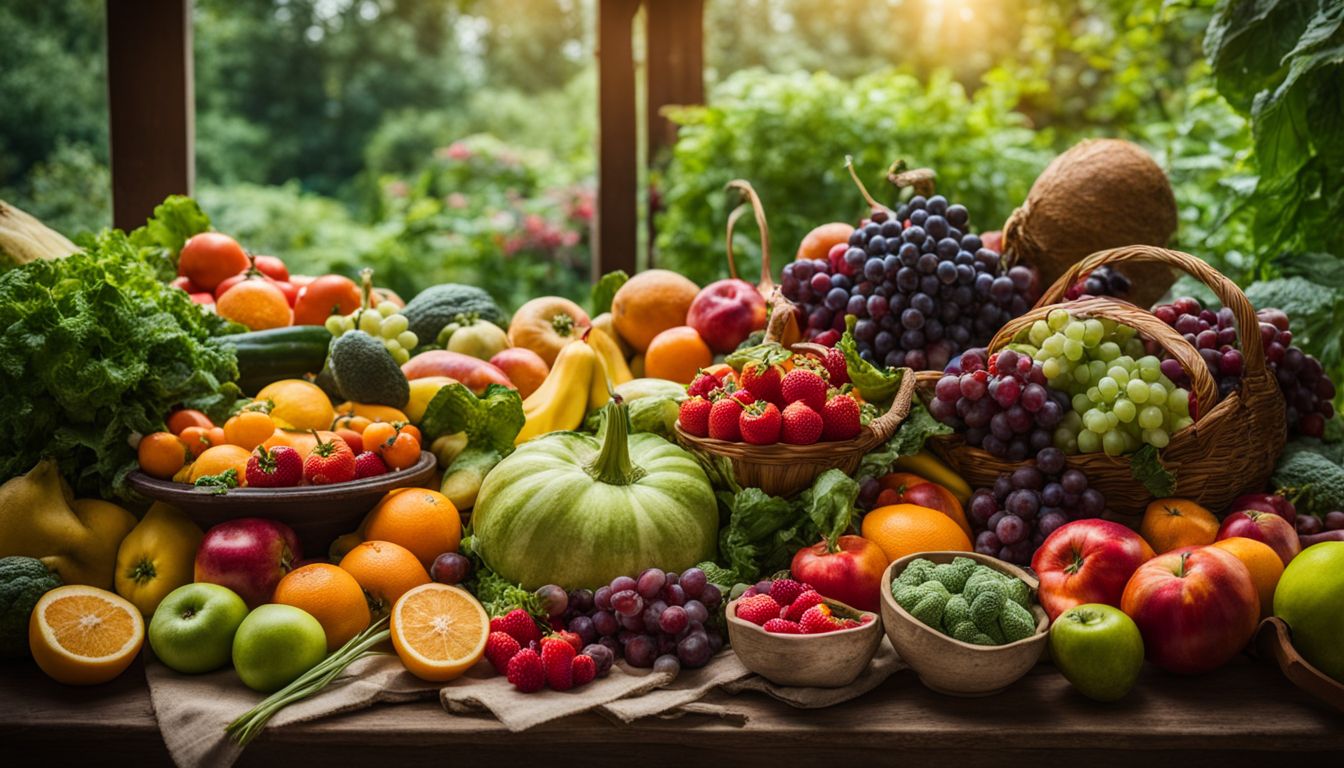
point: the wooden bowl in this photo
(951, 666)
(1275, 641)
(830, 660)
(317, 513)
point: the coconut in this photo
(1102, 193)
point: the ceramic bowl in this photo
(951, 666)
(829, 660)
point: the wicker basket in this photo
(1230, 449)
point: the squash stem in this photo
(613, 465)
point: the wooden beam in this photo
(150, 105)
(615, 225)
(676, 64)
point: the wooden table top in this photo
(1243, 714)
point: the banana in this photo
(931, 468)
(610, 353)
(561, 401)
(599, 392)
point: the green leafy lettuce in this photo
(491, 421)
(876, 384)
(161, 239)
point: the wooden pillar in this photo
(150, 104)
(615, 224)
(676, 64)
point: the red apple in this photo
(272, 267)
(725, 313)
(1196, 608)
(1266, 527)
(1087, 561)
(1265, 502)
(909, 488)
(851, 574)
(248, 555)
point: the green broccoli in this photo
(1016, 622)
(966, 632)
(1019, 593)
(1313, 482)
(916, 573)
(955, 612)
(953, 575)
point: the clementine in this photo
(677, 354)
(905, 529)
(256, 304)
(331, 595)
(1174, 523)
(649, 303)
(1264, 564)
(385, 571)
(423, 521)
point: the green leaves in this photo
(1148, 470)
(493, 420)
(604, 290)
(161, 239)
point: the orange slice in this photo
(439, 631)
(84, 635)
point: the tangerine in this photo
(331, 595)
(385, 571)
(182, 418)
(218, 459)
(162, 454)
(905, 529)
(423, 521)
(1174, 523)
(677, 354)
(1264, 564)
(649, 303)
(256, 304)
(249, 429)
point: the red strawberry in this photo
(518, 624)
(850, 623)
(805, 385)
(279, 467)
(743, 396)
(867, 618)
(694, 415)
(703, 385)
(571, 638)
(499, 649)
(783, 627)
(329, 462)
(837, 370)
(723, 419)
(817, 620)
(763, 381)
(369, 464)
(840, 419)
(525, 671)
(785, 591)
(557, 660)
(759, 423)
(801, 603)
(583, 669)
(757, 609)
(800, 425)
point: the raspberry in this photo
(584, 669)
(557, 660)
(785, 591)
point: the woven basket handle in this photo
(1201, 382)
(884, 426)
(751, 202)
(1248, 325)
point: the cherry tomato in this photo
(186, 417)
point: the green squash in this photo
(578, 511)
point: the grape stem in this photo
(849, 166)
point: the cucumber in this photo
(277, 353)
(462, 479)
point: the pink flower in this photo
(459, 151)
(456, 200)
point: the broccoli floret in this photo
(1016, 622)
(1313, 481)
(953, 575)
(907, 595)
(987, 605)
(1018, 592)
(956, 612)
(966, 632)
(916, 573)
(980, 580)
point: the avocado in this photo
(365, 371)
(439, 305)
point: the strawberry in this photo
(757, 609)
(368, 464)
(518, 624)
(583, 669)
(570, 637)
(850, 623)
(329, 462)
(703, 385)
(743, 396)
(557, 660)
(799, 424)
(837, 369)
(763, 381)
(500, 647)
(759, 423)
(783, 627)
(805, 385)
(801, 603)
(818, 620)
(840, 419)
(694, 415)
(525, 671)
(867, 618)
(785, 591)
(278, 467)
(723, 419)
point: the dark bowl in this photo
(317, 513)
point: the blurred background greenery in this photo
(454, 139)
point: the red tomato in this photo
(210, 258)
(325, 296)
(272, 267)
(183, 282)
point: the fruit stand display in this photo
(912, 470)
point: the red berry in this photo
(840, 419)
(785, 591)
(757, 609)
(278, 467)
(723, 419)
(762, 381)
(329, 462)
(583, 669)
(369, 464)
(800, 425)
(806, 385)
(783, 627)
(525, 671)
(817, 620)
(837, 368)
(703, 385)
(557, 660)
(518, 624)
(800, 604)
(500, 647)
(694, 415)
(759, 423)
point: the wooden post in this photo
(150, 104)
(615, 226)
(676, 64)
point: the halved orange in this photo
(84, 635)
(439, 631)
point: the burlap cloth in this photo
(193, 710)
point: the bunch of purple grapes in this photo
(1310, 525)
(1307, 392)
(1102, 281)
(1028, 504)
(659, 619)
(921, 286)
(1002, 405)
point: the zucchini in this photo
(277, 353)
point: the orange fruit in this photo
(905, 529)
(378, 436)
(180, 419)
(404, 451)
(162, 454)
(439, 631)
(649, 303)
(423, 521)
(1174, 523)
(298, 404)
(1264, 564)
(256, 304)
(371, 411)
(84, 635)
(677, 354)
(197, 439)
(249, 429)
(817, 243)
(221, 458)
(331, 595)
(385, 571)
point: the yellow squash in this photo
(157, 556)
(931, 468)
(561, 401)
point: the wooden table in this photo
(1246, 714)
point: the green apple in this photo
(1099, 650)
(1308, 598)
(275, 644)
(192, 629)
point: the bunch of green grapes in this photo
(1120, 397)
(382, 322)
